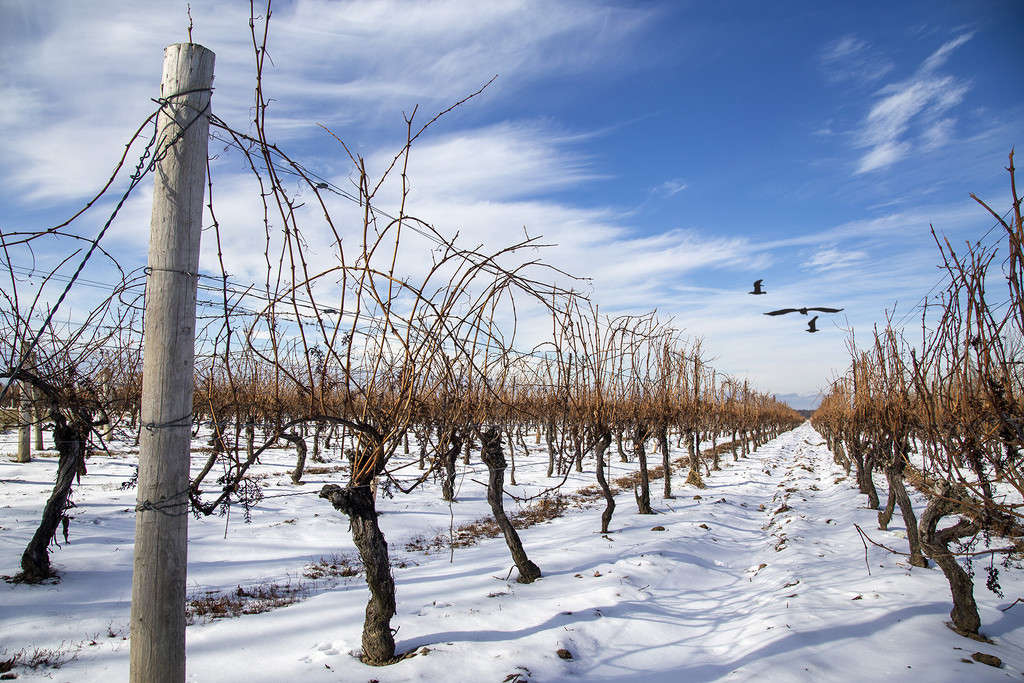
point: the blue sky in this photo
(673, 151)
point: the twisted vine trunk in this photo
(549, 439)
(886, 513)
(70, 444)
(522, 441)
(449, 458)
(889, 467)
(643, 496)
(317, 434)
(839, 455)
(604, 439)
(492, 456)
(917, 558)
(300, 460)
(894, 472)
(421, 439)
(717, 460)
(207, 466)
(694, 477)
(864, 462)
(666, 461)
(38, 415)
(964, 614)
(358, 504)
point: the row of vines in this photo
(621, 385)
(945, 415)
(369, 327)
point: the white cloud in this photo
(499, 162)
(883, 154)
(832, 258)
(938, 134)
(671, 187)
(940, 56)
(84, 73)
(852, 59)
(443, 47)
(912, 114)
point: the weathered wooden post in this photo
(21, 397)
(24, 424)
(161, 518)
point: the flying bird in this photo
(783, 311)
(757, 288)
(810, 325)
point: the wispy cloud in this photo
(671, 187)
(344, 64)
(376, 47)
(833, 258)
(499, 162)
(914, 113)
(940, 56)
(852, 59)
(939, 134)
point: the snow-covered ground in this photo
(761, 576)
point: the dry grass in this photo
(251, 600)
(591, 494)
(259, 598)
(333, 567)
(39, 658)
(543, 510)
(631, 481)
(471, 533)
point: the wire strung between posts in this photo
(142, 169)
(162, 506)
(296, 493)
(922, 301)
(180, 422)
(148, 270)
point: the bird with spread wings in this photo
(783, 311)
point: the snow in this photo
(762, 575)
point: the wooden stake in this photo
(161, 521)
(24, 424)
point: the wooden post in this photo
(161, 518)
(24, 424)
